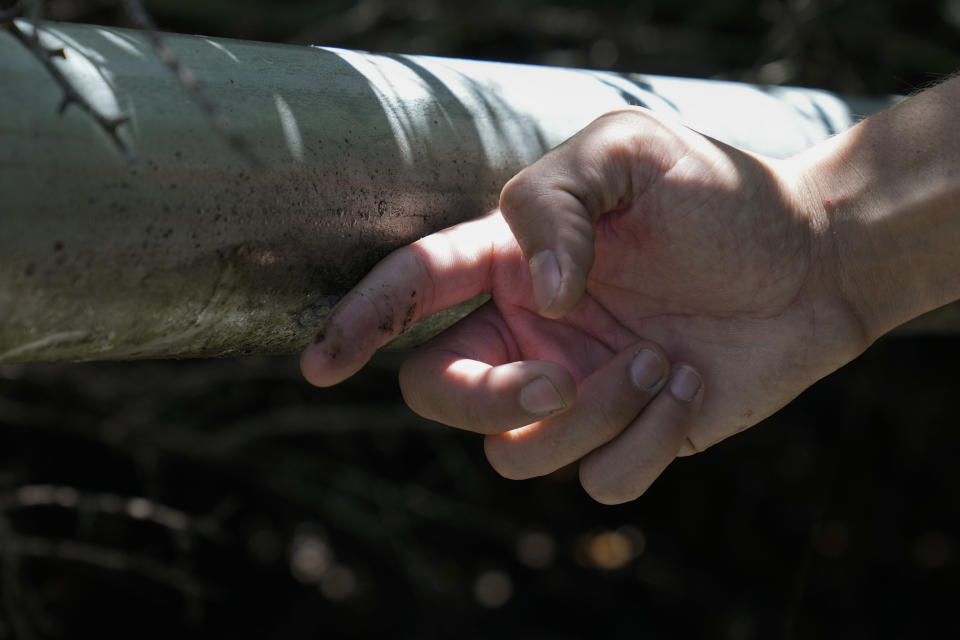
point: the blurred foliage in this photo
(850, 46)
(229, 499)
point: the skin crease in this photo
(720, 261)
(742, 279)
(712, 258)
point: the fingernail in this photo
(545, 271)
(646, 369)
(540, 397)
(685, 384)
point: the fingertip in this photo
(648, 368)
(553, 381)
(557, 289)
(545, 273)
(322, 365)
(314, 366)
(685, 383)
(598, 488)
(607, 480)
(623, 469)
(541, 398)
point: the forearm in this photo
(887, 195)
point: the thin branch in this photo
(110, 125)
(70, 93)
(11, 592)
(189, 82)
(104, 558)
(137, 508)
(14, 547)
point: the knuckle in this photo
(627, 121)
(632, 122)
(508, 195)
(515, 193)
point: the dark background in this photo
(230, 499)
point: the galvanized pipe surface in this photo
(190, 251)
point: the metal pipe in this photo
(191, 251)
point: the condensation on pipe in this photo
(190, 252)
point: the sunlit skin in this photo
(730, 272)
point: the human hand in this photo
(642, 237)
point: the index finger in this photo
(434, 273)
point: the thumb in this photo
(551, 207)
(555, 232)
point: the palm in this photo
(711, 263)
(691, 245)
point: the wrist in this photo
(885, 201)
(835, 200)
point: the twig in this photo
(104, 558)
(70, 93)
(137, 508)
(14, 547)
(189, 82)
(11, 592)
